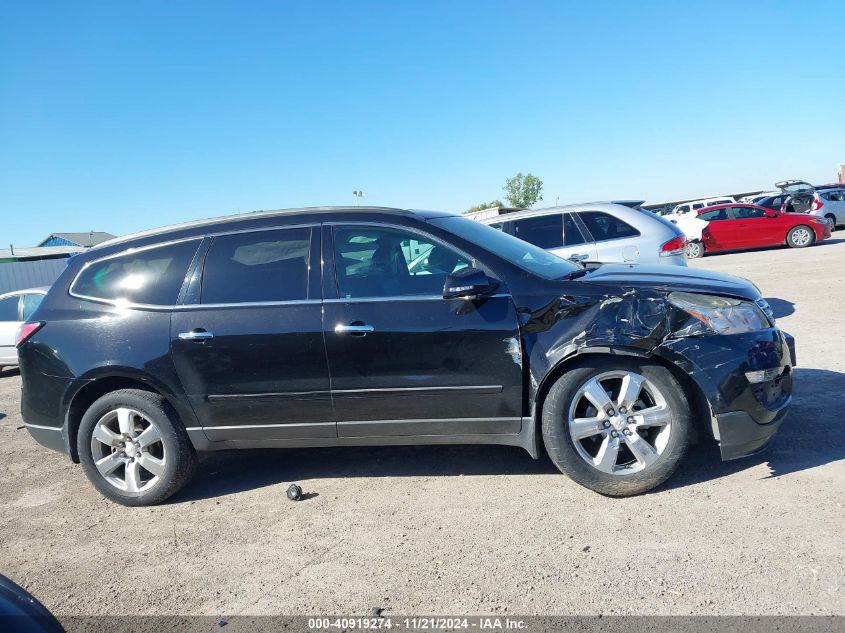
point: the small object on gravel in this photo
(586, 548)
(294, 492)
(375, 612)
(221, 623)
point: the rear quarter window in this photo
(604, 226)
(151, 276)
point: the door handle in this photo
(578, 258)
(197, 334)
(354, 328)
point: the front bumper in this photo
(740, 435)
(744, 416)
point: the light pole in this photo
(358, 195)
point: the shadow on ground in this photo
(796, 447)
(781, 307)
(827, 242)
(9, 371)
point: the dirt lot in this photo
(463, 529)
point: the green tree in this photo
(485, 205)
(523, 191)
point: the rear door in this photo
(404, 360)
(248, 346)
(719, 234)
(10, 319)
(615, 239)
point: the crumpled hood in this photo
(673, 278)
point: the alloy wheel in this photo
(801, 237)
(619, 422)
(694, 250)
(128, 450)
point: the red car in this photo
(737, 226)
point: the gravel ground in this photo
(456, 530)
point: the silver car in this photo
(15, 308)
(598, 232)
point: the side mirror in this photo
(468, 283)
(771, 214)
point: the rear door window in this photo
(9, 308)
(711, 216)
(258, 267)
(151, 276)
(604, 226)
(545, 231)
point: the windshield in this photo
(508, 247)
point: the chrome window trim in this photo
(244, 304)
(137, 249)
(498, 295)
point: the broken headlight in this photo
(719, 315)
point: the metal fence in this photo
(31, 274)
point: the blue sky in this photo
(125, 116)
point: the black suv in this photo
(370, 326)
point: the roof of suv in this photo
(257, 216)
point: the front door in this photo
(250, 353)
(403, 360)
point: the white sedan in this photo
(15, 308)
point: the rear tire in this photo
(800, 236)
(134, 449)
(694, 250)
(832, 220)
(608, 453)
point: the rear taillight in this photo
(26, 330)
(675, 246)
(817, 203)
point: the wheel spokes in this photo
(108, 464)
(605, 459)
(596, 394)
(644, 452)
(152, 464)
(124, 421)
(148, 436)
(133, 477)
(659, 415)
(629, 393)
(582, 428)
(106, 436)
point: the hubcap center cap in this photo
(619, 422)
(131, 450)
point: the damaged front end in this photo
(729, 347)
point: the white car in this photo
(829, 202)
(598, 232)
(15, 308)
(691, 208)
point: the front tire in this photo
(134, 449)
(800, 236)
(617, 426)
(832, 220)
